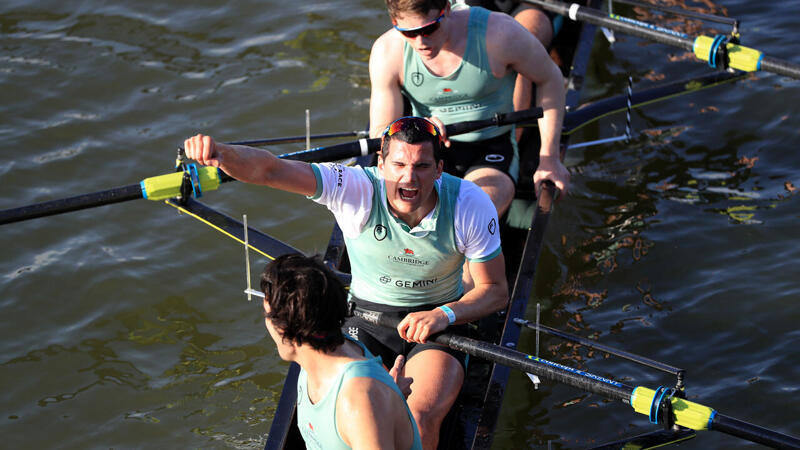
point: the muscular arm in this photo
(490, 294)
(385, 65)
(252, 165)
(371, 415)
(516, 48)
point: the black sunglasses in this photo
(424, 31)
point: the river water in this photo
(124, 326)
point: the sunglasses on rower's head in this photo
(407, 122)
(424, 31)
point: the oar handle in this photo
(361, 147)
(292, 139)
(498, 120)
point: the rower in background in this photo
(542, 24)
(461, 64)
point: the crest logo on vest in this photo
(379, 232)
(408, 257)
(417, 78)
(494, 157)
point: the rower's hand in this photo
(398, 372)
(551, 168)
(203, 149)
(419, 326)
(442, 129)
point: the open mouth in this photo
(408, 193)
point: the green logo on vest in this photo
(379, 232)
(417, 78)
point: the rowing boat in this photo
(472, 419)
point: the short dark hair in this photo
(308, 303)
(412, 134)
(397, 7)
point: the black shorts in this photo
(386, 343)
(497, 153)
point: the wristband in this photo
(451, 316)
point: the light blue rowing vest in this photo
(317, 422)
(391, 266)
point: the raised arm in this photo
(252, 165)
(386, 100)
(518, 49)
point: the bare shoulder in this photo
(365, 392)
(367, 413)
(389, 46)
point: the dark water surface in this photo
(125, 327)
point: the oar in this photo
(717, 51)
(589, 112)
(291, 139)
(660, 404)
(166, 186)
(205, 179)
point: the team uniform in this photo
(397, 269)
(314, 419)
(470, 92)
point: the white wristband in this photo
(451, 316)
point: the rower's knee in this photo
(496, 184)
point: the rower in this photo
(345, 398)
(409, 229)
(542, 24)
(462, 64)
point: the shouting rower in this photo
(409, 228)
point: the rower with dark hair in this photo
(345, 397)
(409, 228)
